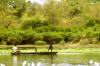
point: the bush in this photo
(3, 42)
(3, 36)
(76, 39)
(52, 37)
(62, 42)
(68, 36)
(84, 42)
(38, 36)
(33, 23)
(28, 36)
(49, 28)
(39, 42)
(53, 28)
(42, 29)
(17, 36)
(88, 41)
(91, 21)
(13, 37)
(97, 35)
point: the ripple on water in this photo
(5, 54)
(69, 53)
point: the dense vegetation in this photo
(76, 21)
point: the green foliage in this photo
(68, 36)
(49, 28)
(84, 42)
(54, 22)
(92, 22)
(39, 42)
(8, 21)
(33, 23)
(53, 37)
(17, 36)
(62, 42)
(96, 35)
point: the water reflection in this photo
(32, 64)
(40, 62)
(51, 60)
(2, 64)
(24, 63)
(14, 60)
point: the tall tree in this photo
(11, 11)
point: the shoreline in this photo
(56, 48)
(70, 50)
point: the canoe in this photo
(43, 53)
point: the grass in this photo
(5, 51)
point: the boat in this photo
(46, 53)
(43, 53)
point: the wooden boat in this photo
(43, 53)
(46, 53)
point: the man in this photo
(15, 48)
(50, 47)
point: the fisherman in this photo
(50, 47)
(15, 48)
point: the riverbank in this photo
(70, 50)
(74, 48)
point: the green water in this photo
(50, 60)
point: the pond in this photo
(67, 59)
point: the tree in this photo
(50, 11)
(33, 9)
(10, 12)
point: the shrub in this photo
(84, 42)
(42, 29)
(39, 42)
(38, 36)
(33, 23)
(88, 41)
(3, 35)
(18, 37)
(52, 37)
(67, 29)
(91, 21)
(62, 42)
(96, 27)
(76, 39)
(49, 28)
(13, 37)
(97, 35)
(68, 36)
(3, 42)
(53, 28)
(73, 29)
(28, 36)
